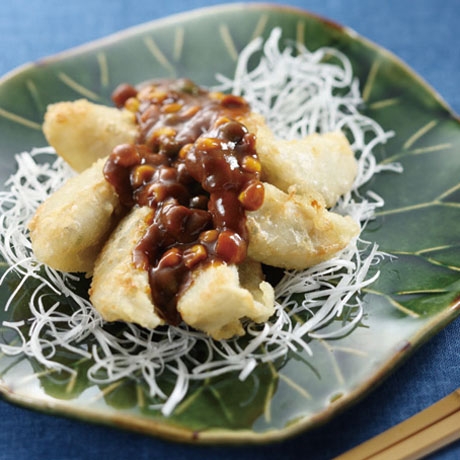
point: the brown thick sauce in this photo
(196, 166)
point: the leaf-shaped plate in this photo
(416, 295)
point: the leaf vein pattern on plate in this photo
(296, 387)
(368, 85)
(35, 95)
(18, 119)
(335, 365)
(300, 32)
(418, 151)
(414, 207)
(103, 69)
(271, 389)
(178, 43)
(260, 26)
(384, 103)
(228, 41)
(394, 303)
(156, 52)
(419, 133)
(77, 87)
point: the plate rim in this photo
(146, 425)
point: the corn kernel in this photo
(141, 175)
(194, 255)
(157, 95)
(251, 164)
(216, 95)
(163, 132)
(157, 192)
(172, 257)
(190, 111)
(207, 143)
(252, 197)
(209, 236)
(184, 151)
(221, 121)
(172, 108)
(132, 104)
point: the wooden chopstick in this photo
(420, 435)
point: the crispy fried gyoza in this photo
(317, 164)
(217, 301)
(214, 303)
(82, 132)
(70, 227)
(119, 290)
(294, 232)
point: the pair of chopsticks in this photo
(424, 433)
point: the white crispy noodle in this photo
(299, 92)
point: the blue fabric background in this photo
(424, 33)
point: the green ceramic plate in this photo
(416, 295)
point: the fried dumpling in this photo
(82, 132)
(70, 227)
(318, 164)
(293, 232)
(222, 295)
(120, 290)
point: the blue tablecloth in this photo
(424, 33)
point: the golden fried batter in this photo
(69, 228)
(82, 132)
(216, 303)
(294, 232)
(321, 164)
(119, 290)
